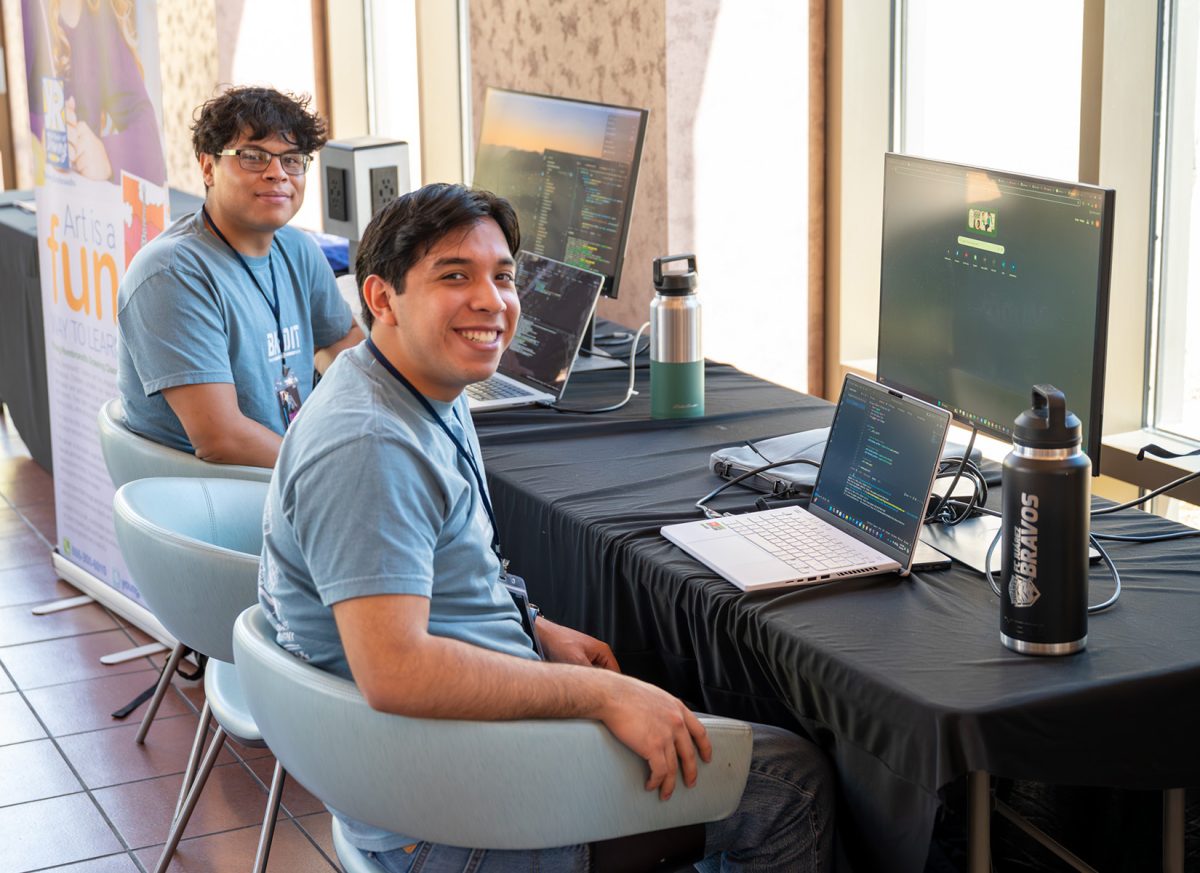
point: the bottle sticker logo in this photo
(1022, 590)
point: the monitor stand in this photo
(586, 359)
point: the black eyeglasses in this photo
(257, 160)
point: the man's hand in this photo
(567, 646)
(660, 729)
(400, 667)
(88, 156)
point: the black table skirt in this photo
(903, 681)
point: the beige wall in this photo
(187, 48)
(565, 48)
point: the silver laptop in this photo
(557, 303)
(867, 505)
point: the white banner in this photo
(101, 196)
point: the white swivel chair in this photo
(497, 785)
(192, 547)
(129, 457)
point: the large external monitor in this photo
(993, 282)
(569, 168)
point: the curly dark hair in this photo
(403, 232)
(260, 112)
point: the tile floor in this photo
(76, 793)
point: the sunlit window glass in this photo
(1176, 395)
(993, 84)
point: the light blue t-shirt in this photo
(362, 448)
(188, 313)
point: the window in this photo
(1175, 390)
(994, 85)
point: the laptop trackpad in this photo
(744, 558)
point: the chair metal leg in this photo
(1173, 828)
(979, 840)
(189, 804)
(268, 825)
(164, 682)
(189, 773)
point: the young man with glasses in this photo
(223, 316)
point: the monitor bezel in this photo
(1094, 428)
(612, 284)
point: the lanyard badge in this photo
(287, 392)
(287, 386)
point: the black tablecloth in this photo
(903, 681)
(22, 344)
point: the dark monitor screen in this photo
(569, 168)
(991, 283)
(879, 463)
(557, 302)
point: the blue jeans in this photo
(784, 823)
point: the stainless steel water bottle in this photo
(676, 362)
(1047, 484)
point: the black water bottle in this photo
(1047, 483)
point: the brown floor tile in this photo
(19, 625)
(79, 832)
(21, 468)
(296, 799)
(318, 829)
(142, 811)
(42, 517)
(87, 706)
(34, 583)
(291, 852)
(121, 863)
(11, 521)
(110, 757)
(34, 771)
(71, 659)
(31, 485)
(22, 549)
(17, 724)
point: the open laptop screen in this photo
(879, 465)
(557, 301)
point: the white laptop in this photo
(557, 303)
(867, 505)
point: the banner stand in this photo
(113, 600)
(61, 605)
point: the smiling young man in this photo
(381, 559)
(224, 315)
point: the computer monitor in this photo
(992, 282)
(569, 168)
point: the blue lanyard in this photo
(273, 300)
(462, 451)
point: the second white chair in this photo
(192, 547)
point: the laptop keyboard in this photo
(799, 539)
(495, 389)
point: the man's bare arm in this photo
(324, 357)
(401, 668)
(216, 428)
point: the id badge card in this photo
(516, 590)
(287, 392)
